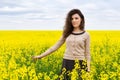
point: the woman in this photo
(77, 42)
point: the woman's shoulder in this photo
(87, 34)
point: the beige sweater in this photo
(77, 46)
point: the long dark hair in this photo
(68, 28)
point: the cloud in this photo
(90, 6)
(36, 13)
(14, 9)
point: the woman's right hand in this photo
(34, 58)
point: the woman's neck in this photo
(77, 30)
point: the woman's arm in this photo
(87, 51)
(51, 49)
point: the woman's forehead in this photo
(75, 15)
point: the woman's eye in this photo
(76, 18)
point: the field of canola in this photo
(17, 47)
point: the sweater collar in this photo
(78, 33)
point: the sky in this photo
(51, 14)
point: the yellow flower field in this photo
(17, 47)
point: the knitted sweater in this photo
(77, 46)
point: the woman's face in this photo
(76, 20)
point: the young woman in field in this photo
(77, 43)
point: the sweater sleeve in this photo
(54, 47)
(87, 48)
